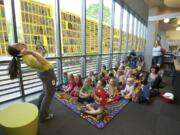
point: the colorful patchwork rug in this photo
(99, 121)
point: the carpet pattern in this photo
(99, 121)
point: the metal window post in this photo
(143, 38)
(100, 18)
(14, 21)
(139, 37)
(16, 41)
(134, 37)
(132, 32)
(58, 40)
(127, 31)
(83, 38)
(135, 43)
(145, 28)
(110, 58)
(120, 34)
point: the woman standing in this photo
(157, 54)
(45, 72)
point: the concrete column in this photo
(150, 39)
(163, 40)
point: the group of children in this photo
(122, 82)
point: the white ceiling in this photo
(163, 3)
(172, 3)
(155, 3)
(171, 26)
(166, 8)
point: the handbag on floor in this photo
(167, 96)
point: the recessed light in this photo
(166, 20)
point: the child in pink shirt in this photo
(77, 87)
(71, 84)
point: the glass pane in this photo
(92, 11)
(106, 26)
(3, 31)
(9, 89)
(130, 33)
(116, 28)
(36, 25)
(134, 34)
(91, 64)
(72, 65)
(70, 27)
(137, 36)
(105, 61)
(115, 61)
(142, 38)
(123, 45)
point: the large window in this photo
(71, 27)
(3, 30)
(92, 13)
(123, 45)
(116, 28)
(35, 24)
(107, 4)
(35, 21)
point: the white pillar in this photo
(150, 39)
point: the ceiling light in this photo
(166, 20)
(178, 28)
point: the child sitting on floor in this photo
(103, 76)
(93, 78)
(129, 73)
(122, 80)
(98, 107)
(119, 73)
(137, 90)
(104, 69)
(77, 87)
(112, 91)
(111, 76)
(85, 92)
(65, 78)
(65, 81)
(154, 78)
(128, 91)
(140, 62)
(122, 66)
(153, 81)
(101, 84)
(71, 84)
